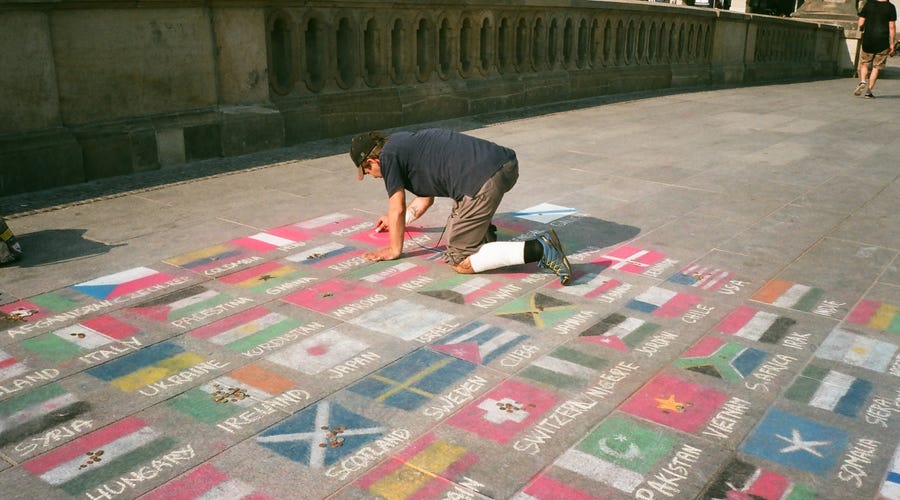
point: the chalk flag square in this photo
(383, 238)
(619, 332)
(544, 213)
(328, 296)
(663, 302)
(617, 453)
(325, 255)
(182, 304)
(717, 358)
(425, 469)
(876, 315)
(336, 224)
(702, 277)
(413, 380)
(796, 442)
(123, 283)
(789, 295)
(269, 278)
(214, 260)
(478, 343)
(675, 403)
(11, 367)
(830, 390)
(150, 364)
(565, 368)
(273, 239)
(389, 273)
(546, 488)
(537, 309)
(857, 350)
(890, 488)
(89, 461)
(246, 329)
(588, 286)
(36, 411)
(629, 259)
(321, 435)
(25, 314)
(73, 341)
(461, 289)
(505, 411)
(752, 324)
(318, 353)
(402, 319)
(741, 480)
(206, 482)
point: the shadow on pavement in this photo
(57, 245)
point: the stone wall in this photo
(97, 88)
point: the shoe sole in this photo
(859, 90)
(554, 240)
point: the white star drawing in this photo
(798, 444)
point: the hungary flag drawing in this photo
(206, 482)
(876, 315)
(857, 350)
(246, 329)
(663, 303)
(741, 480)
(181, 304)
(619, 332)
(629, 259)
(752, 324)
(100, 456)
(789, 295)
(478, 342)
(461, 289)
(263, 277)
(726, 360)
(10, 366)
(207, 258)
(389, 273)
(702, 277)
(564, 368)
(617, 453)
(830, 390)
(318, 353)
(36, 411)
(266, 241)
(150, 364)
(675, 402)
(123, 283)
(230, 395)
(72, 341)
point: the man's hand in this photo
(381, 224)
(382, 254)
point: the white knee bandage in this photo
(498, 254)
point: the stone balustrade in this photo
(98, 88)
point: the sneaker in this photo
(554, 258)
(860, 88)
(869, 95)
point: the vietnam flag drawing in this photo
(123, 283)
(280, 237)
(461, 289)
(99, 456)
(663, 302)
(505, 411)
(789, 295)
(150, 364)
(675, 403)
(206, 482)
(36, 411)
(876, 315)
(740, 480)
(619, 332)
(629, 259)
(246, 329)
(263, 277)
(425, 469)
(753, 324)
(726, 360)
(73, 341)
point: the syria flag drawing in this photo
(36, 411)
(504, 412)
(675, 403)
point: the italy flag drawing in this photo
(72, 341)
(123, 283)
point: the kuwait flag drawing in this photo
(789, 295)
(36, 411)
(703, 277)
(740, 480)
(756, 325)
(120, 447)
(663, 303)
(246, 329)
(478, 343)
(150, 364)
(263, 277)
(425, 469)
(389, 273)
(589, 285)
(333, 223)
(10, 366)
(726, 360)
(856, 350)
(123, 283)
(876, 315)
(319, 353)
(564, 368)
(207, 258)
(619, 332)
(547, 488)
(461, 289)
(675, 402)
(229, 395)
(891, 486)
(629, 259)
(206, 482)
(181, 304)
(617, 453)
(324, 255)
(72, 341)
(284, 236)
(329, 295)
(502, 413)
(830, 390)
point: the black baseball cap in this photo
(360, 147)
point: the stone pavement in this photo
(732, 333)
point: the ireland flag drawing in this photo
(123, 283)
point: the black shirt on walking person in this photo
(876, 35)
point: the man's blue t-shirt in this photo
(439, 162)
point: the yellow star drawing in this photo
(670, 404)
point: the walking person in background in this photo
(877, 19)
(10, 250)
